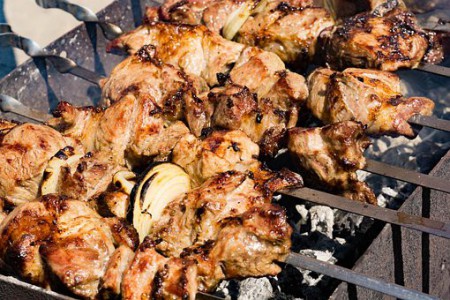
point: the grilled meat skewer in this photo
(369, 96)
(384, 110)
(387, 37)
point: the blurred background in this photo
(42, 25)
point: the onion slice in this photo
(65, 159)
(236, 19)
(161, 185)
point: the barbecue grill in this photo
(416, 260)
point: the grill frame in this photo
(39, 86)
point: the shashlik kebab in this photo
(199, 231)
(387, 37)
(66, 65)
(139, 80)
(369, 96)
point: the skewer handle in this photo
(83, 14)
(9, 104)
(405, 175)
(61, 64)
(392, 289)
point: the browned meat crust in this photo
(367, 96)
(368, 40)
(332, 155)
(226, 228)
(61, 239)
(23, 160)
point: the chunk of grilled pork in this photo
(331, 155)
(278, 92)
(130, 131)
(226, 228)
(24, 153)
(195, 49)
(63, 240)
(221, 151)
(368, 96)
(195, 218)
(288, 28)
(387, 42)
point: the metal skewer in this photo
(434, 69)
(83, 14)
(304, 262)
(61, 64)
(9, 104)
(405, 175)
(376, 212)
(431, 122)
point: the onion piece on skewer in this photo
(158, 187)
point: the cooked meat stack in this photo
(263, 107)
(213, 107)
(385, 37)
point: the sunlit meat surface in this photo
(24, 153)
(263, 106)
(331, 155)
(367, 96)
(287, 28)
(64, 239)
(386, 42)
(226, 228)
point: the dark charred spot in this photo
(222, 78)
(148, 54)
(259, 117)
(235, 146)
(88, 155)
(396, 100)
(206, 132)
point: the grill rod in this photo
(383, 214)
(83, 14)
(341, 273)
(398, 173)
(9, 104)
(347, 275)
(387, 215)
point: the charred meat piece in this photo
(60, 239)
(278, 93)
(219, 230)
(289, 31)
(196, 217)
(154, 276)
(171, 92)
(367, 96)
(129, 131)
(332, 155)
(249, 244)
(368, 40)
(23, 160)
(287, 28)
(194, 49)
(219, 152)
(110, 283)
